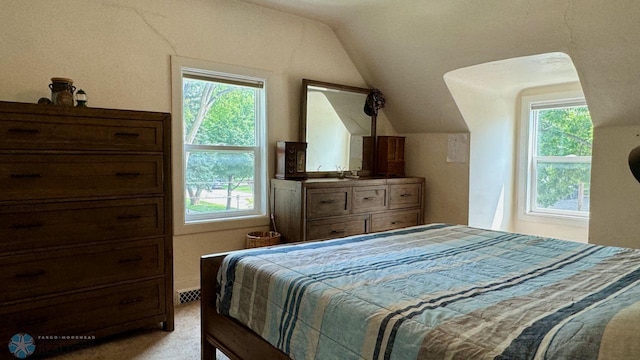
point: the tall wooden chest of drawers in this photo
(318, 209)
(85, 222)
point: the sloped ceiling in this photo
(404, 48)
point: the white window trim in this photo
(525, 165)
(179, 65)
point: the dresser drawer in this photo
(20, 131)
(395, 220)
(82, 314)
(24, 227)
(369, 198)
(37, 274)
(405, 195)
(46, 176)
(328, 202)
(337, 227)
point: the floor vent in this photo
(188, 296)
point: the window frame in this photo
(527, 189)
(224, 220)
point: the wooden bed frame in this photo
(223, 333)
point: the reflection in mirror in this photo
(335, 127)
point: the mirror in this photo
(334, 125)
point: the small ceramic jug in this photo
(62, 91)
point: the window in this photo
(223, 142)
(560, 139)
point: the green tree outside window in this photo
(222, 117)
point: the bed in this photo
(435, 291)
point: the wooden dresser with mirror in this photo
(341, 137)
(326, 208)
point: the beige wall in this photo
(489, 113)
(446, 183)
(119, 53)
(615, 194)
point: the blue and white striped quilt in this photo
(438, 292)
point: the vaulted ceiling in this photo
(405, 47)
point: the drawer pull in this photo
(130, 260)
(327, 202)
(369, 198)
(131, 301)
(127, 134)
(406, 195)
(128, 174)
(396, 222)
(24, 131)
(26, 176)
(31, 274)
(128, 217)
(337, 232)
(27, 225)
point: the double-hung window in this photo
(560, 139)
(223, 136)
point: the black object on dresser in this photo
(85, 222)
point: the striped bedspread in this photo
(438, 292)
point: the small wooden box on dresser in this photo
(85, 222)
(323, 208)
(390, 155)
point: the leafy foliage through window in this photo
(561, 139)
(222, 128)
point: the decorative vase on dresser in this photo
(325, 208)
(85, 222)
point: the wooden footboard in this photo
(223, 333)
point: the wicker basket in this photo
(262, 238)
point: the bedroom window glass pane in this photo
(563, 186)
(564, 132)
(217, 113)
(223, 123)
(560, 171)
(212, 188)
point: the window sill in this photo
(221, 224)
(555, 219)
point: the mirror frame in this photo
(303, 123)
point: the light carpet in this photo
(182, 343)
